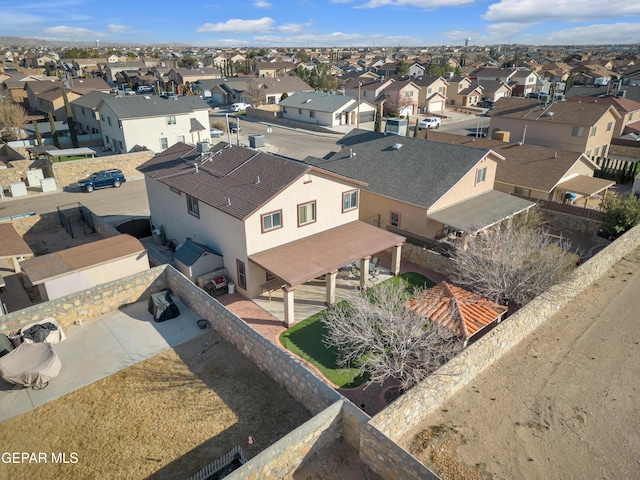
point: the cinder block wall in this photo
(90, 303)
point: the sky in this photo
(325, 23)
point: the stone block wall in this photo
(90, 303)
(284, 457)
(426, 258)
(397, 420)
(68, 173)
(353, 420)
(314, 394)
(571, 222)
(103, 228)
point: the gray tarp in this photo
(30, 364)
(161, 306)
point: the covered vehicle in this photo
(30, 365)
(162, 306)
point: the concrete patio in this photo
(101, 347)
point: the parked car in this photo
(234, 127)
(144, 89)
(128, 91)
(104, 178)
(216, 133)
(239, 107)
(429, 122)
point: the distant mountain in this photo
(42, 42)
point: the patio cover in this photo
(481, 212)
(69, 152)
(12, 246)
(586, 186)
(302, 260)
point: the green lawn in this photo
(306, 339)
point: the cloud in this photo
(596, 34)
(337, 39)
(562, 10)
(505, 32)
(118, 28)
(261, 4)
(71, 32)
(420, 4)
(237, 25)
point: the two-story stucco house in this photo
(576, 127)
(271, 218)
(418, 186)
(85, 114)
(432, 97)
(152, 121)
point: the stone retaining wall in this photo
(103, 228)
(425, 258)
(68, 173)
(282, 367)
(571, 222)
(397, 420)
(90, 303)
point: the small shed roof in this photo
(11, 244)
(69, 152)
(190, 251)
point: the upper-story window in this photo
(481, 175)
(306, 213)
(271, 221)
(192, 206)
(593, 131)
(171, 120)
(349, 200)
(609, 125)
(577, 131)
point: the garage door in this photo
(436, 106)
(218, 97)
(498, 96)
(367, 116)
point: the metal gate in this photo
(76, 219)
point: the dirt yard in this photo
(166, 417)
(564, 404)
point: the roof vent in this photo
(257, 182)
(228, 204)
(397, 146)
(547, 114)
(308, 100)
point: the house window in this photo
(242, 274)
(609, 125)
(481, 175)
(271, 221)
(312, 114)
(171, 120)
(164, 143)
(349, 200)
(604, 150)
(408, 93)
(596, 151)
(577, 131)
(107, 139)
(109, 120)
(192, 206)
(588, 153)
(428, 91)
(82, 108)
(439, 89)
(522, 191)
(593, 131)
(394, 221)
(284, 109)
(306, 213)
(299, 111)
(181, 138)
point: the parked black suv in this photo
(104, 178)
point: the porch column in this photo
(289, 316)
(330, 279)
(364, 272)
(16, 265)
(396, 255)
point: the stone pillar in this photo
(396, 255)
(289, 313)
(364, 272)
(330, 279)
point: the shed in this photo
(193, 259)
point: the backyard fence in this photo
(621, 171)
(78, 215)
(565, 208)
(223, 466)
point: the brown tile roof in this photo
(51, 265)
(12, 244)
(459, 310)
(558, 112)
(227, 172)
(623, 105)
(527, 166)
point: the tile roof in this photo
(457, 309)
(621, 104)
(527, 166)
(138, 106)
(51, 265)
(227, 172)
(420, 172)
(12, 244)
(531, 109)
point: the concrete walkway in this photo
(102, 347)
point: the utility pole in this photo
(358, 117)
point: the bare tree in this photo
(253, 93)
(377, 334)
(513, 262)
(12, 117)
(396, 102)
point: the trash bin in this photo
(231, 287)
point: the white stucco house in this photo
(326, 109)
(152, 121)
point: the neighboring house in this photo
(35, 90)
(112, 69)
(577, 127)
(523, 82)
(223, 91)
(467, 315)
(181, 76)
(537, 172)
(628, 109)
(320, 108)
(494, 90)
(458, 90)
(401, 97)
(78, 268)
(432, 97)
(422, 187)
(273, 219)
(274, 69)
(85, 112)
(371, 91)
(152, 121)
(417, 70)
(272, 89)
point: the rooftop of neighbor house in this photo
(531, 109)
(621, 104)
